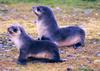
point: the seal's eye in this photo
(38, 9)
(15, 30)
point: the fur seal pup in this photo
(28, 47)
(47, 27)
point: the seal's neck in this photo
(49, 22)
(21, 39)
(17, 41)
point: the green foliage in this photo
(17, 1)
(71, 3)
(89, 0)
(85, 68)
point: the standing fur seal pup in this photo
(48, 28)
(29, 47)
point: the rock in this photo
(95, 41)
(3, 9)
(69, 69)
(87, 12)
(61, 51)
(5, 42)
(98, 54)
(1, 45)
(8, 50)
(70, 55)
(97, 61)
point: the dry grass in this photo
(83, 59)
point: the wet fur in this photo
(47, 27)
(40, 49)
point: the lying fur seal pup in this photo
(28, 47)
(47, 27)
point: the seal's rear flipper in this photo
(44, 60)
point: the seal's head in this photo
(42, 11)
(13, 31)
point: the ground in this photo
(81, 59)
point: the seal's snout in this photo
(10, 31)
(37, 8)
(34, 8)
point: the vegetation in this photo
(72, 3)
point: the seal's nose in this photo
(10, 30)
(34, 8)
